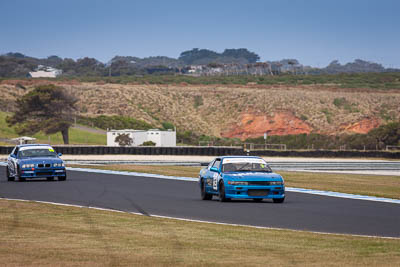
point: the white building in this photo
(195, 68)
(160, 138)
(24, 140)
(45, 72)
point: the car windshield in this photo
(37, 152)
(246, 166)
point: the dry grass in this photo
(33, 234)
(371, 185)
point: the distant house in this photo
(45, 72)
(195, 68)
(160, 138)
(24, 140)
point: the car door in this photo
(215, 175)
(12, 161)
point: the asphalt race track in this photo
(181, 199)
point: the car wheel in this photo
(222, 197)
(20, 179)
(204, 194)
(62, 178)
(279, 200)
(9, 177)
(50, 178)
(257, 199)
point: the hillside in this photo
(231, 110)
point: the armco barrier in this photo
(326, 154)
(104, 150)
(212, 151)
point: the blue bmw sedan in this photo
(35, 161)
(241, 178)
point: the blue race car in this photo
(241, 177)
(35, 161)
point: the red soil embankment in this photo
(255, 125)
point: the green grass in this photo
(5, 131)
(76, 136)
(37, 234)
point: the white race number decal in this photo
(215, 181)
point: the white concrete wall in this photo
(168, 138)
(154, 136)
(138, 138)
(160, 138)
(111, 139)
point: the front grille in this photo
(47, 165)
(257, 192)
(258, 183)
(44, 173)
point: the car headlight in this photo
(237, 183)
(58, 164)
(276, 183)
(25, 166)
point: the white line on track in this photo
(197, 221)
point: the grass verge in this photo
(36, 234)
(76, 136)
(371, 185)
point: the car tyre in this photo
(9, 177)
(204, 194)
(62, 178)
(222, 197)
(257, 199)
(50, 178)
(279, 200)
(20, 179)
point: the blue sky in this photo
(314, 32)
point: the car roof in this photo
(24, 145)
(229, 157)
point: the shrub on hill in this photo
(148, 143)
(115, 122)
(379, 138)
(381, 81)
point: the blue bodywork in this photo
(240, 184)
(20, 165)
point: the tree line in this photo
(230, 62)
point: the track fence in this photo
(214, 151)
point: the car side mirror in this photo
(59, 154)
(214, 169)
(12, 155)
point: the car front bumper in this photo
(260, 192)
(40, 173)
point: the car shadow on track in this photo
(249, 201)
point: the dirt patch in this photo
(254, 125)
(361, 127)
